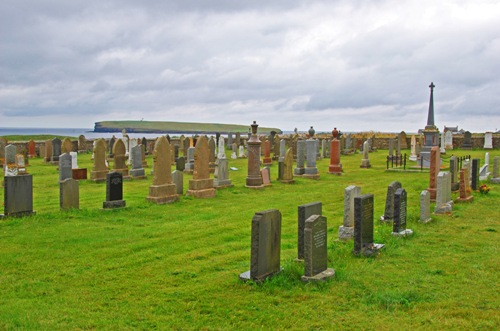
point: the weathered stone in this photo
(162, 190)
(346, 231)
(114, 191)
(304, 212)
(301, 154)
(389, 202)
(266, 246)
(69, 195)
(287, 175)
(425, 207)
(99, 169)
(67, 146)
(201, 186)
(363, 226)
(254, 178)
(365, 162)
(137, 170)
(65, 168)
(435, 165)
(119, 152)
(178, 180)
(18, 196)
(400, 205)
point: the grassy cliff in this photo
(173, 127)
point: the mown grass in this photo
(35, 137)
(176, 266)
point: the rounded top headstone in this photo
(335, 133)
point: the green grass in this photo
(160, 126)
(176, 266)
(35, 137)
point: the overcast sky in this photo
(355, 65)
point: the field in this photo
(176, 266)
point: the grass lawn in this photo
(176, 266)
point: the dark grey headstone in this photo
(178, 180)
(475, 175)
(18, 195)
(315, 252)
(114, 191)
(400, 200)
(180, 163)
(69, 195)
(56, 149)
(467, 144)
(454, 172)
(65, 167)
(110, 146)
(389, 201)
(304, 212)
(265, 251)
(363, 226)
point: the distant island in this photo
(174, 127)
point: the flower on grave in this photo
(484, 189)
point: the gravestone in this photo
(56, 150)
(99, 170)
(3, 143)
(391, 147)
(454, 172)
(234, 150)
(254, 178)
(475, 175)
(211, 155)
(315, 250)
(10, 154)
(301, 155)
(442, 149)
(221, 176)
(74, 160)
(67, 146)
(484, 172)
(311, 171)
(282, 149)
(346, 231)
(400, 205)
(18, 196)
(265, 246)
(144, 143)
(82, 144)
(111, 143)
(137, 170)
(413, 155)
(162, 190)
(178, 180)
(237, 138)
(201, 186)
(229, 140)
(31, 149)
(69, 195)
(304, 212)
(465, 190)
(189, 166)
(287, 174)
(363, 226)
(267, 154)
(488, 140)
(241, 152)
(435, 165)
(402, 139)
(266, 176)
(20, 164)
(365, 162)
(65, 168)
(276, 148)
(444, 204)
(120, 157)
(180, 163)
(448, 140)
(114, 190)
(389, 202)
(425, 207)
(496, 173)
(467, 144)
(335, 167)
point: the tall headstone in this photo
(391, 147)
(435, 165)
(444, 203)
(221, 176)
(282, 145)
(266, 246)
(74, 160)
(67, 146)
(301, 155)
(237, 138)
(99, 170)
(335, 167)
(448, 140)
(178, 180)
(189, 166)
(475, 175)
(454, 172)
(31, 149)
(69, 194)
(211, 155)
(229, 140)
(363, 226)
(18, 196)
(484, 171)
(365, 162)
(465, 190)
(65, 168)
(201, 186)
(488, 140)
(311, 171)
(496, 173)
(119, 152)
(304, 212)
(267, 154)
(114, 191)
(82, 144)
(431, 132)
(111, 143)
(137, 170)
(413, 155)
(254, 179)
(287, 176)
(425, 207)
(276, 148)
(346, 231)
(400, 205)
(315, 250)
(442, 148)
(162, 190)
(467, 143)
(56, 149)
(241, 152)
(389, 202)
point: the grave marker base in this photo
(425, 221)
(18, 214)
(346, 232)
(161, 194)
(369, 250)
(245, 277)
(321, 277)
(113, 204)
(404, 233)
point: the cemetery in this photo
(298, 231)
